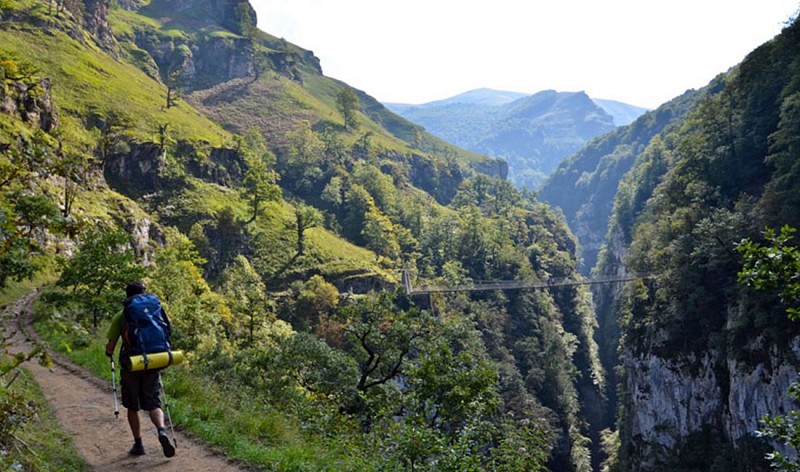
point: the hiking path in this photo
(84, 405)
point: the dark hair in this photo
(134, 288)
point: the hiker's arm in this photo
(114, 332)
(166, 321)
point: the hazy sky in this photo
(642, 52)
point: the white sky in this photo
(642, 52)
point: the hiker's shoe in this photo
(166, 444)
(137, 449)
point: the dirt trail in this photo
(84, 406)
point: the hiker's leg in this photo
(133, 421)
(150, 398)
(130, 400)
(157, 417)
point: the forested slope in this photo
(703, 359)
(584, 184)
(272, 208)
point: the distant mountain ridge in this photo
(534, 133)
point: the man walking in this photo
(144, 328)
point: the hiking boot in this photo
(166, 444)
(137, 449)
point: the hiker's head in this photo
(134, 288)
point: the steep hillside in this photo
(533, 133)
(584, 185)
(272, 209)
(703, 359)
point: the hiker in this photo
(140, 389)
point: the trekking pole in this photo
(114, 388)
(166, 408)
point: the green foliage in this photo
(316, 300)
(30, 437)
(97, 275)
(16, 412)
(347, 103)
(302, 164)
(381, 336)
(260, 181)
(305, 217)
(195, 311)
(25, 213)
(245, 294)
(774, 266)
(371, 382)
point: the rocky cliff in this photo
(28, 100)
(672, 400)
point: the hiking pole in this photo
(166, 408)
(114, 388)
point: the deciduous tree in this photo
(347, 104)
(305, 217)
(104, 264)
(260, 180)
(246, 293)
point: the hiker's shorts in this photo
(140, 390)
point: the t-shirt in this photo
(115, 330)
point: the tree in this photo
(382, 335)
(104, 264)
(261, 63)
(245, 292)
(15, 249)
(303, 161)
(174, 85)
(305, 217)
(260, 181)
(110, 130)
(71, 166)
(775, 267)
(194, 310)
(245, 22)
(380, 186)
(35, 213)
(225, 239)
(316, 367)
(317, 298)
(24, 159)
(380, 235)
(357, 202)
(347, 104)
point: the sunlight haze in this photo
(415, 51)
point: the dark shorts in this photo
(140, 390)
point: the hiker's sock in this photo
(138, 447)
(166, 444)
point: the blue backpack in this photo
(145, 328)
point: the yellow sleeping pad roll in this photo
(156, 360)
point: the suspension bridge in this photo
(518, 284)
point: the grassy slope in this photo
(91, 81)
(86, 80)
(275, 102)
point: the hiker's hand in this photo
(110, 349)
